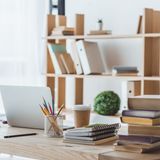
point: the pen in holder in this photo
(53, 125)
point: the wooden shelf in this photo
(150, 35)
(129, 36)
(95, 76)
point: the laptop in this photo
(21, 104)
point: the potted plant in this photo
(107, 103)
(100, 24)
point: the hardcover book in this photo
(68, 63)
(144, 103)
(135, 149)
(144, 130)
(141, 113)
(54, 50)
(140, 121)
(140, 138)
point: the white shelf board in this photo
(152, 78)
(127, 36)
(96, 76)
(146, 96)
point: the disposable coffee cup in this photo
(81, 115)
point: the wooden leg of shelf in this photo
(78, 91)
(61, 91)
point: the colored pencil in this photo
(42, 110)
(45, 104)
(50, 108)
(62, 106)
(46, 111)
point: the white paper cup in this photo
(81, 115)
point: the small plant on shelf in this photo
(107, 103)
(100, 24)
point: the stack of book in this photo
(149, 107)
(143, 126)
(82, 58)
(92, 134)
(137, 143)
(100, 32)
(124, 71)
(62, 61)
(62, 30)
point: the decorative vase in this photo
(100, 26)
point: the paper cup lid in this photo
(81, 107)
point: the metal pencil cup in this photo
(53, 126)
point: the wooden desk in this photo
(114, 155)
(43, 148)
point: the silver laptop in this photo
(21, 104)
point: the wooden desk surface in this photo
(114, 155)
(40, 147)
(44, 148)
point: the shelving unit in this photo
(150, 77)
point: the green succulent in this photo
(100, 21)
(107, 103)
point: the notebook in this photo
(96, 127)
(89, 134)
(98, 142)
(92, 138)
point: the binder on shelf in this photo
(55, 51)
(90, 57)
(134, 88)
(75, 57)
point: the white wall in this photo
(120, 16)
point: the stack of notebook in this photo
(92, 134)
(62, 30)
(137, 143)
(143, 127)
(124, 71)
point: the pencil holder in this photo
(53, 126)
